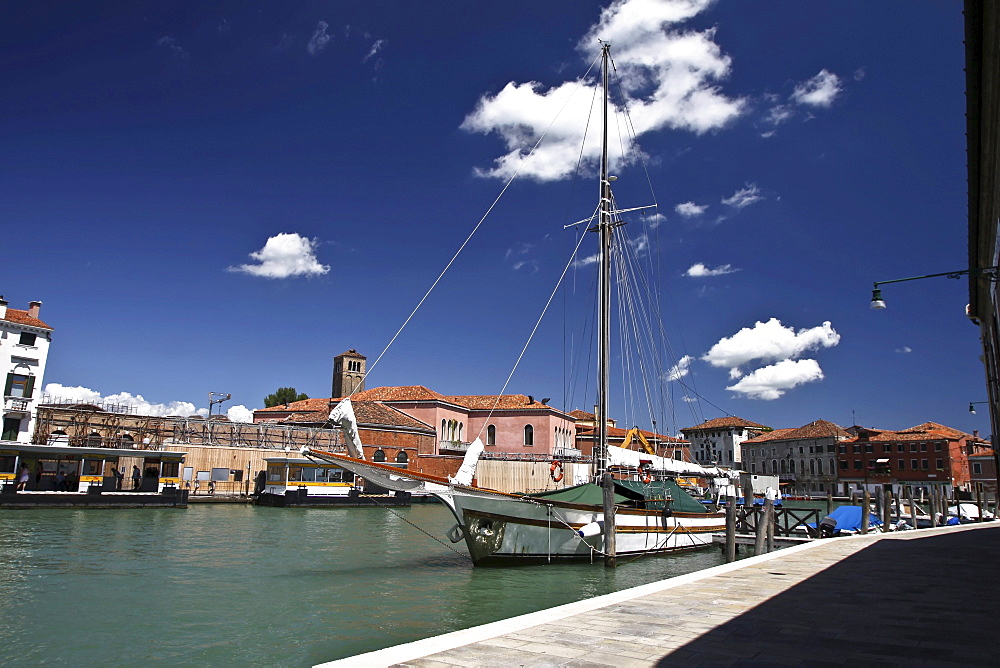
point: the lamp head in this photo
(972, 409)
(877, 302)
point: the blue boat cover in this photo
(849, 519)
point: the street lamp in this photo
(878, 303)
(216, 398)
(972, 407)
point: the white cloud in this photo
(699, 270)
(770, 382)
(374, 51)
(668, 77)
(319, 40)
(820, 91)
(779, 114)
(690, 209)
(285, 255)
(744, 197)
(655, 220)
(240, 413)
(176, 51)
(859, 74)
(585, 261)
(768, 341)
(57, 392)
(904, 350)
(681, 369)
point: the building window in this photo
(11, 426)
(491, 435)
(401, 458)
(924, 465)
(19, 385)
(753, 467)
(444, 430)
(869, 447)
(977, 468)
(937, 447)
(27, 339)
(902, 464)
(939, 463)
(379, 455)
(857, 464)
(913, 447)
(843, 464)
(857, 448)
(529, 435)
(843, 449)
(900, 447)
(914, 465)
(923, 447)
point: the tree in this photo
(284, 395)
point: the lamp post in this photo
(878, 303)
(972, 405)
(216, 398)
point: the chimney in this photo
(975, 433)
(33, 308)
(3, 307)
(531, 399)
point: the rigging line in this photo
(432, 537)
(465, 243)
(632, 132)
(531, 336)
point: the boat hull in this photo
(506, 531)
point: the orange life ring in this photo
(556, 464)
(647, 477)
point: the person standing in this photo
(136, 477)
(120, 479)
(22, 478)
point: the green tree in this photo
(284, 395)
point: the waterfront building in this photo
(804, 458)
(24, 349)
(718, 442)
(929, 455)
(983, 472)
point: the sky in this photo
(221, 197)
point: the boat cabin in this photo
(72, 469)
(319, 478)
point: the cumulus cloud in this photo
(820, 91)
(699, 270)
(84, 395)
(770, 382)
(681, 369)
(319, 40)
(744, 197)
(669, 78)
(240, 413)
(285, 255)
(904, 350)
(690, 209)
(374, 51)
(768, 341)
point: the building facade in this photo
(804, 459)
(24, 349)
(349, 373)
(718, 442)
(927, 456)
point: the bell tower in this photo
(348, 373)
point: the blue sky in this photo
(222, 197)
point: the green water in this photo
(236, 585)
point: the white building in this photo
(24, 347)
(717, 442)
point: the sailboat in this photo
(603, 519)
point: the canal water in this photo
(230, 584)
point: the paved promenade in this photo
(927, 597)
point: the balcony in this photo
(453, 447)
(567, 452)
(16, 404)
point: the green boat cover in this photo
(652, 493)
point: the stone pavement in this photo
(927, 597)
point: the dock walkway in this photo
(926, 597)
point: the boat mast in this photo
(604, 229)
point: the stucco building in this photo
(24, 349)
(803, 458)
(717, 442)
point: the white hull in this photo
(505, 530)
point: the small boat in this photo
(607, 517)
(294, 481)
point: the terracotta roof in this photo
(775, 435)
(582, 415)
(503, 402)
(367, 413)
(934, 427)
(352, 353)
(20, 317)
(403, 393)
(723, 422)
(304, 406)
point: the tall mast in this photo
(604, 228)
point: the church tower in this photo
(348, 373)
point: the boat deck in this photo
(924, 597)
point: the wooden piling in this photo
(829, 503)
(886, 507)
(760, 534)
(913, 506)
(730, 529)
(932, 505)
(608, 486)
(866, 509)
(769, 523)
(979, 500)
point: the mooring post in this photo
(913, 506)
(730, 529)
(979, 500)
(769, 519)
(829, 503)
(932, 505)
(608, 485)
(866, 510)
